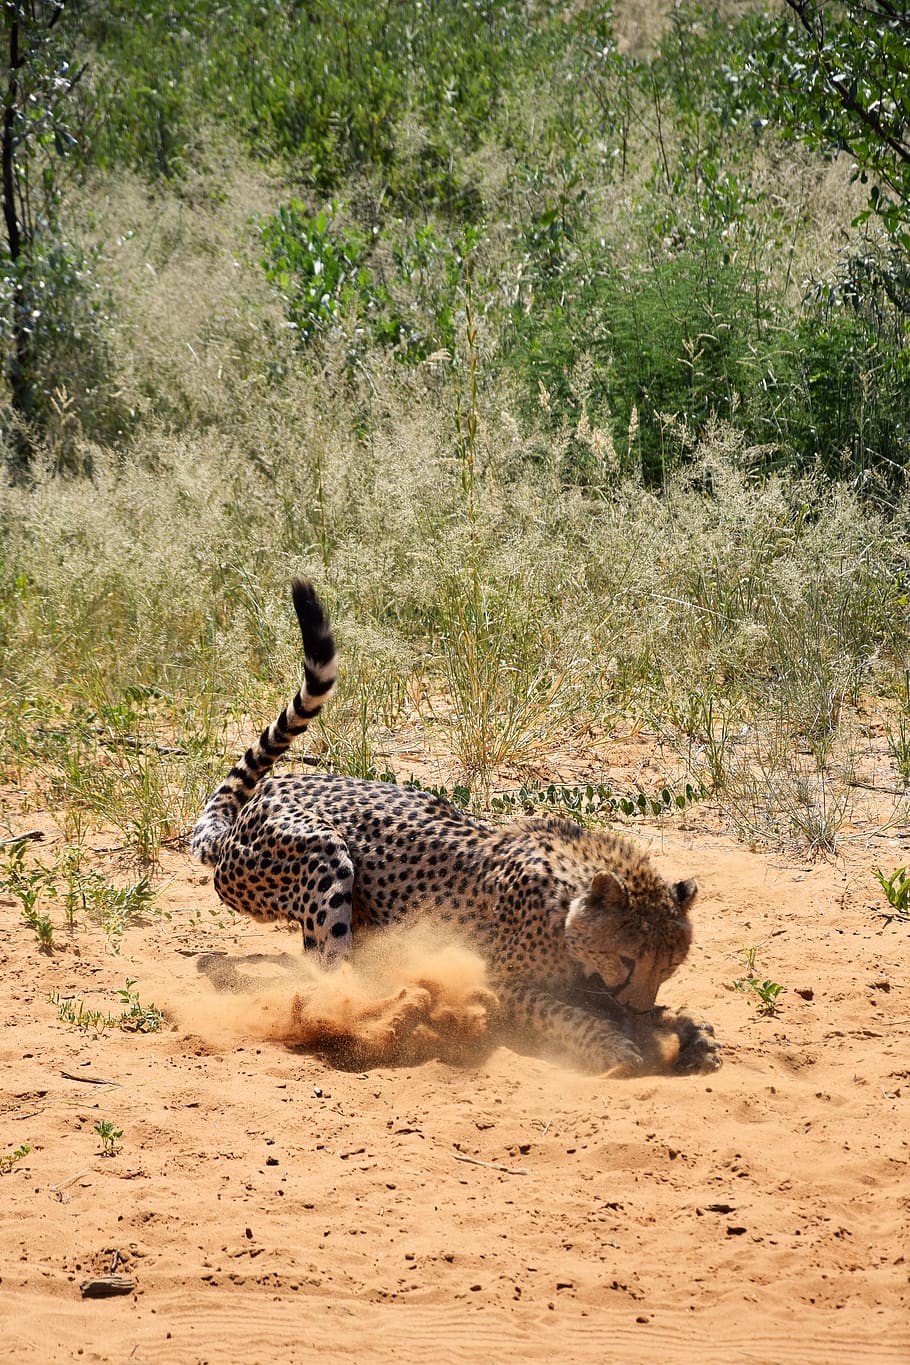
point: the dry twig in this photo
(490, 1165)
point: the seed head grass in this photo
(479, 586)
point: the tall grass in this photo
(532, 535)
(476, 590)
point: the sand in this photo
(275, 1206)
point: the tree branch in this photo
(810, 17)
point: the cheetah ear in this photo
(608, 892)
(685, 893)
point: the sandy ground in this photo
(274, 1207)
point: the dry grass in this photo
(509, 607)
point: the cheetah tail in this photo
(320, 671)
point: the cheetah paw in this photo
(698, 1051)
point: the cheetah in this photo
(577, 928)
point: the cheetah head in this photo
(632, 935)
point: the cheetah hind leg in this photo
(308, 879)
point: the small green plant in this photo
(113, 907)
(26, 884)
(458, 794)
(44, 932)
(330, 281)
(108, 1135)
(134, 1017)
(318, 269)
(70, 866)
(749, 956)
(9, 1159)
(81, 890)
(766, 992)
(68, 1012)
(597, 799)
(897, 890)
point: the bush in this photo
(842, 401)
(673, 335)
(329, 282)
(325, 86)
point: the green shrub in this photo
(328, 282)
(326, 86)
(843, 400)
(676, 334)
(319, 273)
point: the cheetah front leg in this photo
(300, 870)
(669, 1041)
(591, 1042)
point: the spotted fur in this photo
(577, 927)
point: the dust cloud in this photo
(407, 996)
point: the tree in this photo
(33, 136)
(839, 74)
